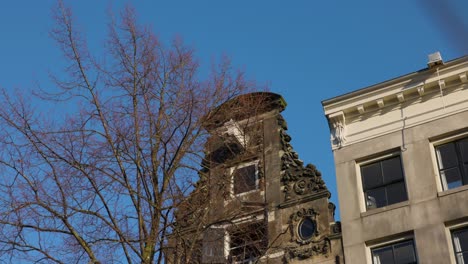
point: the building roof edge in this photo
(389, 82)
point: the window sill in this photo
(385, 208)
(244, 193)
(452, 191)
(243, 196)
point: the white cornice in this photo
(407, 84)
(417, 97)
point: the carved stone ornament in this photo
(314, 245)
(336, 228)
(337, 128)
(297, 179)
(321, 247)
(296, 221)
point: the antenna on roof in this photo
(434, 59)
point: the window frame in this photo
(231, 232)
(378, 159)
(454, 246)
(393, 243)
(463, 175)
(208, 251)
(228, 229)
(243, 165)
(301, 224)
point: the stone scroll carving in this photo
(321, 247)
(297, 179)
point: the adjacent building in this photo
(256, 202)
(401, 157)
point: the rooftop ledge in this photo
(399, 88)
(397, 93)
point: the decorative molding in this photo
(421, 90)
(361, 109)
(295, 220)
(453, 73)
(408, 101)
(442, 84)
(337, 123)
(419, 102)
(462, 77)
(311, 247)
(322, 247)
(298, 181)
(282, 123)
(305, 198)
(380, 103)
(400, 97)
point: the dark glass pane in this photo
(225, 152)
(392, 170)
(382, 256)
(213, 245)
(246, 243)
(244, 179)
(376, 198)
(447, 156)
(465, 177)
(463, 147)
(306, 228)
(451, 177)
(371, 175)
(396, 193)
(462, 258)
(404, 253)
(462, 238)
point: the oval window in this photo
(306, 229)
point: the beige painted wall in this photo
(429, 211)
(406, 116)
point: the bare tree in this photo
(101, 185)
(225, 217)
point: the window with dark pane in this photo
(460, 245)
(306, 228)
(397, 253)
(213, 245)
(383, 183)
(452, 159)
(247, 243)
(245, 179)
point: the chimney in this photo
(435, 59)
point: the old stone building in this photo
(256, 202)
(401, 157)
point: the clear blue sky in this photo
(305, 50)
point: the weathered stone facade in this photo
(262, 204)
